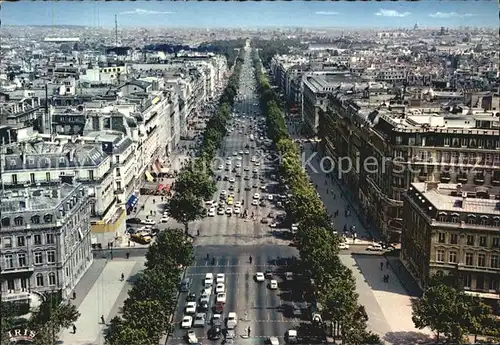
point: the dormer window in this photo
(12, 162)
(31, 161)
(18, 221)
(47, 218)
(35, 219)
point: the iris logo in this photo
(21, 336)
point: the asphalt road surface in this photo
(229, 241)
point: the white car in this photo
(375, 247)
(239, 158)
(223, 193)
(220, 211)
(240, 152)
(209, 279)
(273, 225)
(148, 222)
(200, 320)
(210, 203)
(232, 320)
(229, 211)
(190, 308)
(237, 204)
(257, 163)
(246, 168)
(228, 162)
(164, 219)
(273, 284)
(237, 210)
(343, 245)
(232, 180)
(235, 153)
(255, 202)
(253, 159)
(238, 165)
(187, 322)
(219, 288)
(270, 197)
(220, 167)
(221, 297)
(255, 170)
(260, 277)
(221, 277)
(191, 337)
(211, 212)
(247, 152)
(256, 196)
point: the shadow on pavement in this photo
(405, 338)
(282, 234)
(370, 267)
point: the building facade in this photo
(45, 240)
(452, 229)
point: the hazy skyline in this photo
(253, 14)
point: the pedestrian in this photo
(198, 232)
(249, 330)
(387, 279)
(74, 329)
(127, 255)
(102, 320)
(122, 277)
(381, 266)
(74, 295)
(334, 196)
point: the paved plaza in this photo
(100, 292)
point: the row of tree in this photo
(270, 48)
(195, 182)
(146, 313)
(333, 284)
(448, 311)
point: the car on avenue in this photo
(232, 320)
(200, 320)
(221, 297)
(220, 278)
(190, 308)
(219, 288)
(259, 277)
(187, 322)
(273, 284)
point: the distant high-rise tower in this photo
(116, 30)
(416, 26)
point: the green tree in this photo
(120, 332)
(196, 180)
(441, 308)
(186, 208)
(148, 315)
(159, 284)
(171, 249)
(51, 317)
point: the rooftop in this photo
(35, 199)
(451, 197)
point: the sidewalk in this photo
(100, 292)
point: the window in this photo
(494, 261)
(469, 259)
(441, 237)
(7, 242)
(39, 279)
(481, 260)
(9, 261)
(470, 240)
(495, 243)
(482, 241)
(38, 258)
(467, 281)
(454, 219)
(493, 284)
(440, 255)
(37, 239)
(50, 239)
(91, 175)
(47, 176)
(24, 283)
(14, 179)
(6, 221)
(52, 278)
(480, 283)
(32, 178)
(10, 284)
(35, 219)
(51, 256)
(18, 221)
(454, 239)
(21, 257)
(453, 257)
(21, 241)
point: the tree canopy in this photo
(151, 301)
(333, 283)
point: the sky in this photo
(194, 14)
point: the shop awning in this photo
(132, 201)
(149, 177)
